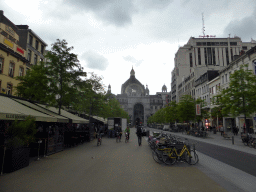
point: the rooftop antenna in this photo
(203, 23)
(203, 29)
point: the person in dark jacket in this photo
(139, 134)
(119, 130)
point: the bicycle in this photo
(252, 143)
(99, 140)
(157, 152)
(126, 137)
(180, 152)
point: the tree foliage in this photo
(65, 73)
(186, 108)
(240, 97)
(171, 112)
(34, 86)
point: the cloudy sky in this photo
(111, 36)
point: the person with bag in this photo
(139, 134)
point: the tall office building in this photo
(200, 55)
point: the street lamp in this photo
(90, 124)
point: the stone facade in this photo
(137, 102)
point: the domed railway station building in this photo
(137, 102)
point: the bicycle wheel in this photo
(155, 157)
(193, 159)
(169, 159)
(250, 143)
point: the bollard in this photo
(233, 140)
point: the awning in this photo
(100, 119)
(60, 119)
(12, 110)
(75, 119)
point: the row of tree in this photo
(184, 111)
(239, 98)
(60, 81)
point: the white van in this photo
(166, 128)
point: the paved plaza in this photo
(110, 167)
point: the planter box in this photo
(16, 159)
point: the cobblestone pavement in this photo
(110, 167)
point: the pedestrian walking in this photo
(139, 134)
(221, 130)
(237, 129)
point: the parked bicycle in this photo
(246, 139)
(180, 152)
(252, 143)
(168, 149)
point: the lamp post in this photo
(90, 124)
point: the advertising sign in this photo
(198, 109)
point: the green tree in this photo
(159, 116)
(65, 73)
(240, 97)
(34, 85)
(91, 97)
(186, 108)
(171, 112)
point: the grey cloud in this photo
(153, 4)
(133, 60)
(114, 12)
(178, 24)
(118, 13)
(244, 28)
(95, 60)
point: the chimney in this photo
(1, 12)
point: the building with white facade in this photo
(249, 58)
(200, 55)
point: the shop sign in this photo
(14, 116)
(10, 44)
(20, 50)
(198, 109)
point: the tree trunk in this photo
(246, 128)
(60, 101)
